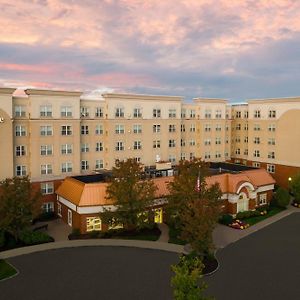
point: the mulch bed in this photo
(210, 265)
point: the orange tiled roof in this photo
(260, 177)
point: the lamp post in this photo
(289, 184)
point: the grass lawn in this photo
(273, 211)
(6, 270)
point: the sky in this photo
(229, 49)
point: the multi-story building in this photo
(50, 135)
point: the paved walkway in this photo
(164, 237)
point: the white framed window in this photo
(119, 129)
(256, 127)
(246, 114)
(182, 127)
(21, 170)
(246, 139)
(218, 154)
(84, 129)
(99, 164)
(272, 113)
(46, 169)
(271, 168)
(218, 127)
(66, 130)
(84, 111)
(85, 147)
(47, 188)
(256, 140)
(156, 128)
(46, 111)
(207, 114)
(218, 114)
(20, 130)
(66, 167)
(138, 159)
(256, 164)
(272, 127)
(182, 143)
(99, 129)
(172, 158)
(262, 199)
(137, 128)
(99, 112)
(172, 113)
(238, 139)
(227, 127)
(256, 153)
(171, 143)
(99, 146)
(59, 209)
(192, 155)
(156, 144)
(257, 114)
(119, 112)
(66, 111)
(192, 113)
(246, 152)
(271, 141)
(192, 142)
(119, 146)
(207, 155)
(192, 128)
(20, 150)
(182, 156)
(207, 127)
(271, 154)
(69, 217)
(46, 130)
(137, 145)
(238, 151)
(84, 165)
(48, 207)
(46, 150)
(238, 114)
(93, 224)
(207, 142)
(20, 111)
(218, 141)
(246, 126)
(66, 149)
(156, 113)
(238, 127)
(137, 112)
(172, 128)
(183, 113)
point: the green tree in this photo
(19, 204)
(131, 195)
(282, 197)
(186, 280)
(195, 205)
(295, 187)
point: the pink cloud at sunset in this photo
(222, 48)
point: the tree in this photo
(196, 205)
(131, 195)
(295, 187)
(282, 197)
(185, 282)
(19, 205)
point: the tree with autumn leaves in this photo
(194, 205)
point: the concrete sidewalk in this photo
(164, 237)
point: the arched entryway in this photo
(243, 202)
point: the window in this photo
(46, 150)
(156, 113)
(218, 141)
(207, 127)
(218, 114)
(66, 111)
(99, 164)
(272, 114)
(192, 113)
(84, 129)
(207, 155)
(262, 199)
(172, 128)
(218, 127)
(171, 143)
(84, 111)
(237, 139)
(46, 130)
(119, 146)
(21, 170)
(238, 151)
(119, 129)
(218, 154)
(84, 165)
(192, 143)
(246, 139)
(256, 127)
(20, 130)
(207, 114)
(66, 149)
(246, 114)
(66, 130)
(238, 114)
(271, 127)
(137, 145)
(137, 112)
(192, 128)
(66, 167)
(257, 114)
(119, 112)
(99, 146)
(226, 139)
(256, 153)
(182, 143)
(246, 152)
(183, 113)
(182, 128)
(207, 142)
(99, 129)
(59, 209)
(256, 140)
(156, 128)
(256, 164)
(47, 188)
(238, 127)
(48, 207)
(227, 127)
(20, 150)
(271, 168)
(156, 144)
(137, 159)
(85, 147)
(46, 111)
(246, 126)
(172, 113)
(20, 111)
(93, 223)
(271, 155)
(99, 112)
(182, 156)
(137, 128)
(271, 141)
(46, 169)
(172, 158)
(192, 155)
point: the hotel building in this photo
(50, 135)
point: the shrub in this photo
(226, 219)
(35, 237)
(75, 232)
(94, 234)
(282, 197)
(263, 208)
